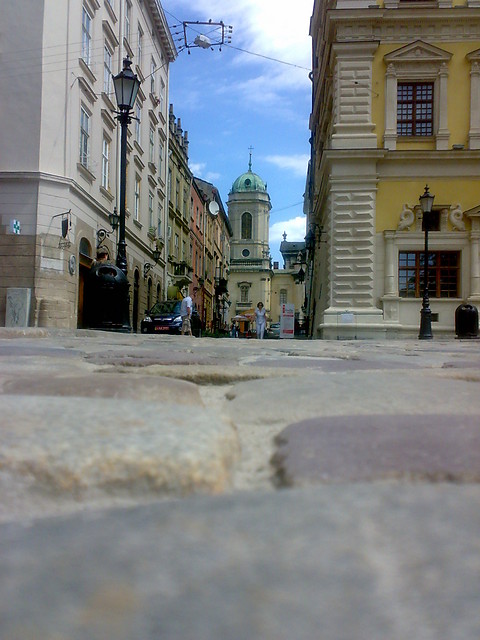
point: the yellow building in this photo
(396, 106)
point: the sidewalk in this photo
(375, 536)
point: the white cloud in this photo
(297, 163)
(197, 168)
(268, 28)
(295, 228)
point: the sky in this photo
(255, 92)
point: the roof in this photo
(248, 181)
(212, 194)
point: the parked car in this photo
(274, 330)
(164, 317)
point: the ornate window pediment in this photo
(415, 53)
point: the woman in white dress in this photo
(260, 320)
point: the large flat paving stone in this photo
(307, 394)
(353, 562)
(62, 450)
(362, 448)
(98, 385)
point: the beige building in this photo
(252, 278)
(59, 142)
(250, 271)
(288, 284)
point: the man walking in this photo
(186, 314)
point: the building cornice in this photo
(403, 25)
(162, 29)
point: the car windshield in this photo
(168, 306)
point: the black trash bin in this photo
(107, 300)
(466, 321)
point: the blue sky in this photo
(230, 100)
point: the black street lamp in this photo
(126, 85)
(426, 202)
(103, 233)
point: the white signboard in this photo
(287, 320)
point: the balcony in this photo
(182, 274)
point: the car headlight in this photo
(177, 320)
(147, 319)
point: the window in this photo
(177, 194)
(283, 296)
(244, 293)
(416, 95)
(162, 96)
(138, 113)
(160, 156)
(415, 109)
(443, 274)
(151, 145)
(247, 226)
(128, 17)
(139, 46)
(153, 69)
(185, 203)
(86, 36)
(84, 137)
(107, 71)
(160, 220)
(150, 211)
(136, 200)
(106, 164)
(176, 245)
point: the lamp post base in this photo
(425, 324)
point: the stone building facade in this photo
(59, 142)
(396, 106)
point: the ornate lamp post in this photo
(426, 202)
(126, 85)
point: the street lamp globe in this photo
(126, 85)
(426, 200)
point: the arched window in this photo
(246, 226)
(85, 248)
(244, 293)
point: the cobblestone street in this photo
(175, 487)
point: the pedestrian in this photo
(260, 319)
(186, 314)
(102, 255)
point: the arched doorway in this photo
(149, 293)
(85, 263)
(136, 291)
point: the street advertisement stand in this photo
(287, 320)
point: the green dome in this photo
(248, 182)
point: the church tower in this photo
(250, 274)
